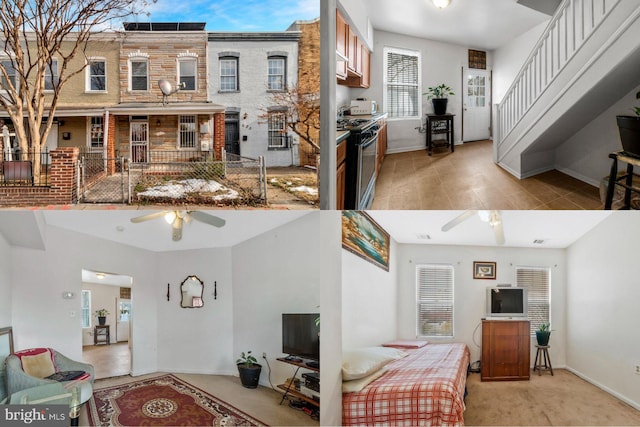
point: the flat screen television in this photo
(507, 302)
(300, 335)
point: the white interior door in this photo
(123, 320)
(477, 105)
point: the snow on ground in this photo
(305, 189)
(178, 189)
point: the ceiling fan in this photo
(178, 218)
(494, 218)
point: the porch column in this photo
(110, 128)
(218, 135)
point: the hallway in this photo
(468, 179)
(108, 360)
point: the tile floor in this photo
(468, 179)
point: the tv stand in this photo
(505, 350)
(289, 388)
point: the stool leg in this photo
(612, 184)
(627, 190)
(549, 361)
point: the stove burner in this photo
(351, 123)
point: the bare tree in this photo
(40, 40)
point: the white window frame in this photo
(283, 59)
(85, 309)
(88, 75)
(131, 61)
(441, 270)
(182, 134)
(90, 133)
(193, 61)
(49, 79)
(236, 62)
(386, 50)
(525, 279)
(283, 131)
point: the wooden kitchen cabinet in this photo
(357, 71)
(354, 66)
(505, 350)
(341, 174)
(365, 80)
(341, 45)
(382, 144)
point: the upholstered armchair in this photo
(36, 367)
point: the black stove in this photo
(353, 124)
(360, 161)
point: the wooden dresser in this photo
(505, 350)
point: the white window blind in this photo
(434, 285)
(537, 280)
(402, 83)
(86, 309)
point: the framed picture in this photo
(362, 236)
(484, 270)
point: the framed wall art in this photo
(484, 270)
(362, 236)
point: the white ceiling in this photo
(155, 235)
(105, 278)
(558, 229)
(480, 24)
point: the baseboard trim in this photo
(404, 149)
(579, 176)
(535, 172)
(508, 169)
(199, 371)
(602, 387)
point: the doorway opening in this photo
(106, 322)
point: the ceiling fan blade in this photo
(457, 220)
(177, 229)
(148, 217)
(498, 229)
(207, 219)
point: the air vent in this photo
(423, 237)
(538, 242)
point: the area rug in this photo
(162, 401)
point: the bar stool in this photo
(625, 180)
(542, 355)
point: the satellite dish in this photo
(165, 87)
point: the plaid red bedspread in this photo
(425, 388)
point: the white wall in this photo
(369, 293)
(195, 340)
(602, 306)
(469, 294)
(356, 13)
(38, 278)
(509, 58)
(5, 283)
(585, 154)
(102, 296)
(274, 273)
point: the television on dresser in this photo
(507, 302)
(301, 335)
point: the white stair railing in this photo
(572, 24)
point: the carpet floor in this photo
(560, 400)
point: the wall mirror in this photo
(192, 290)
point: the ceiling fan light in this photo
(169, 217)
(484, 216)
(441, 4)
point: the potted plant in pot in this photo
(249, 370)
(629, 127)
(102, 316)
(543, 333)
(439, 96)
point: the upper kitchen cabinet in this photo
(355, 72)
(342, 34)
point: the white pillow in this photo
(357, 385)
(360, 363)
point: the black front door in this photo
(232, 133)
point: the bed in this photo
(426, 387)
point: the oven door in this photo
(367, 171)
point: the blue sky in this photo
(234, 15)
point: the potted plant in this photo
(102, 316)
(543, 333)
(249, 370)
(439, 96)
(629, 127)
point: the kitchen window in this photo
(229, 74)
(96, 132)
(97, 75)
(277, 130)
(187, 73)
(187, 132)
(51, 75)
(538, 281)
(276, 79)
(402, 83)
(434, 300)
(139, 75)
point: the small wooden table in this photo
(101, 335)
(625, 181)
(543, 361)
(438, 125)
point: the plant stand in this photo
(440, 125)
(625, 181)
(543, 361)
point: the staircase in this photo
(587, 59)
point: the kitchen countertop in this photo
(341, 135)
(377, 116)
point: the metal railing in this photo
(19, 168)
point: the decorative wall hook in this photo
(168, 287)
(215, 290)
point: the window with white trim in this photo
(86, 308)
(139, 74)
(97, 75)
(187, 133)
(7, 64)
(402, 83)
(187, 72)
(277, 130)
(96, 132)
(229, 74)
(538, 281)
(276, 73)
(434, 300)
(51, 75)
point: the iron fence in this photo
(20, 168)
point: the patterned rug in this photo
(162, 401)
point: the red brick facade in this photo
(218, 135)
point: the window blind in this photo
(537, 280)
(434, 284)
(402, 71)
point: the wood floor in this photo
(469, 179)
(108, 360)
